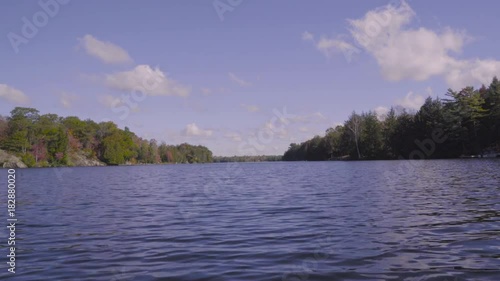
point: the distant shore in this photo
(14, 162)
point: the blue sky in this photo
(239, 76)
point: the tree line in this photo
(51, 140)
(465, 123)
(248, 158)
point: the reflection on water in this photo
(380, 220)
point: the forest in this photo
(50, 140)
(248, 158)
(465, 123)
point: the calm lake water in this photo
(380, 220)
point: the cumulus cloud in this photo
(330, 46)
(404, 52)
(234, 136)
(470, 72)
(279, 131)
(143, 78)
(238, 80)
(381, 112)
(411, 101)
(193, 130)
(67, 99)
(107, 52)
(308, 118)
(110, 101)
(307, 36)
(429, 91)
(13, 95)
(319, 115)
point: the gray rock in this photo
(79, 160)
(8, 160)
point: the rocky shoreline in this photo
(8, 160)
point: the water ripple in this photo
(379, 220)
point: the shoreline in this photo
(282, 161)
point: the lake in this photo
(368, 220)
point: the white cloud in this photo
(319, 115)
(381, 112)
(270, 127)
(429, 91)
(238, 80)
(411, 101)
(251, 108)
(110, 101)
(143, 78)
(67, 99)
(193, 130)
(329, 47)
(307, 36)
(308, 118)
(234, 136)
(105, 51)
(472, 72)
(13, 95)
(405, 52)
(336, 124)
